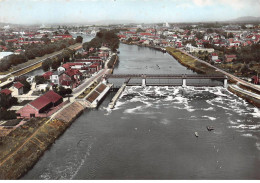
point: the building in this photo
(5, 54)
(191, 49)
(40, 107)
(7, 93)
(70, 78)
(230, 58)
(214, 56)
(17, 88)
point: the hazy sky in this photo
(83, 11)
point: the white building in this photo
(192, 49)
(5, 54)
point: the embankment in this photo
(27, 154)
(191, 63)
(252, 100)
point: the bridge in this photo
(183, 77)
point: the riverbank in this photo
(199, 67)
(27, 153)
(39, 138)
(190, 63)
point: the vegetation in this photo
(39, 80)
(7, 115)
(112, 61)
(62, 91)
(103, 37)
(87, 90)
(190, 62)
(79, 39)
(27, 86)
(56, 61)
(32, 51)
(5, 102)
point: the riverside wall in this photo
(22, 159)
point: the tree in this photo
(230, 35)
(79, 39)
(67, 32)
(27, 86)
(62, 91)
(129, 40)
(39, 79)
(210, 31)
(55, 65)
(139, 30)
(46, 64)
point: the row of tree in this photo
(55, 62)
(32, 51)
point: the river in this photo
(150, 133)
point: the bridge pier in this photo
(225, 82)
(184, 82)
(143, 82)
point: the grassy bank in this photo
(190, 62)
(30, 140)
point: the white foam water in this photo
(210, 117)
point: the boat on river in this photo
(210, 128)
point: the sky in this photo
(139, 11)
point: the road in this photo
(223, 72)
(83, 86)
(76, 46)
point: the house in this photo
(55, 78)
(70, 78)
(214, 56)
(41, 106)
(41, 87)
(17, 88)
(255, 80)
(7, 93)
(230, 58)
(47, 75)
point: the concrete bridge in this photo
(183, 77)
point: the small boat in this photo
(196, 134)
(210, 128)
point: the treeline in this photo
(55, 62)
(32, 51)
(104, 37)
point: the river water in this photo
(150, 133)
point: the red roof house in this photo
(18, 88)
(6, 91)
(230, 58)
(47, 75)
(41, 106)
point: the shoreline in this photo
(15, 165)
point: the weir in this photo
(177, 80)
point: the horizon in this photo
(32, 12)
